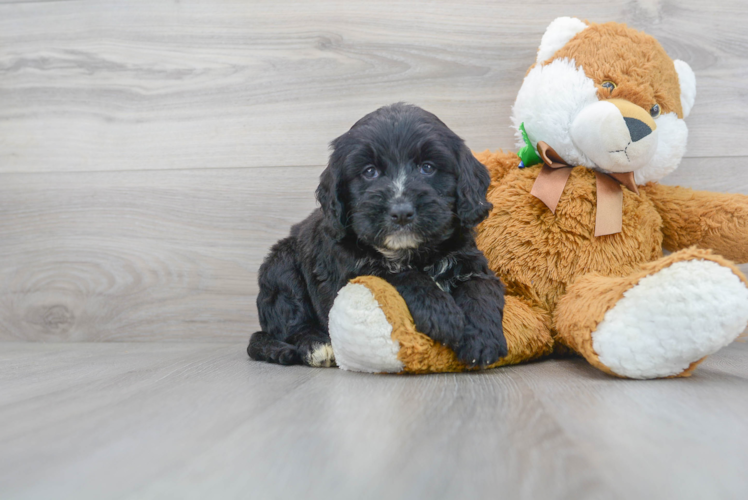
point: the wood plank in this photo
(152, 84)
(170, 255)
(201, 420)
(166, 255)
(694, 428)
(722, 175)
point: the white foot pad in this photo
(360, 333)
(671, 319)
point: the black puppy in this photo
(399, 200)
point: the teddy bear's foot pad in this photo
(360, 333)
(671, 319)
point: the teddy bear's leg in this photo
(372, 331)
(660, 321)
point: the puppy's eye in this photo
(608, 85)
(370, 172)
(427, 169)
(655, 111)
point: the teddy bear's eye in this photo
(655, 111)
(608, 85)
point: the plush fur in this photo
(557, 99)
(558, 34)
(614, 299)
(371, 348)
(372, 331)
(399, 200)
(656, 328)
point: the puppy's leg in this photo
(434, 311)
(482, 301)
(290, 332)
(314, 346)
(264, 347)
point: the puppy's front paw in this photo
(443, 321)
(481, 351)
(287, 355)
(320, 355)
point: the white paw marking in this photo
(671, 319)
(321, 356)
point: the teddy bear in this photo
(579, 223)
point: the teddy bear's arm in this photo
(498, 164)
(716, 221)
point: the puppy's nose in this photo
(402, 213)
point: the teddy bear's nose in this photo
(637, 128)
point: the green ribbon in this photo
(527, 153)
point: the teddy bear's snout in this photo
(617, 135)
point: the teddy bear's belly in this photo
(537, 253)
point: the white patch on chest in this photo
(441, 266)
(437, 270)
(396, 260)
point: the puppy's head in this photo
(400, 178)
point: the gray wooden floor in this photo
(186, 420)
(150, 153)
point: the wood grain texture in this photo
(156, 84)
(165, 255)
(202, 421)
(169, 255)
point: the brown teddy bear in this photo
(579, 225)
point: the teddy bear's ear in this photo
(687, 81)
(558, 34)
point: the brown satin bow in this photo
(552, 179)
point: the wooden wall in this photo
(152, 151)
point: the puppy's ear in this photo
(328, 197)
(472, 183)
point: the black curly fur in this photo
(411, 224)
